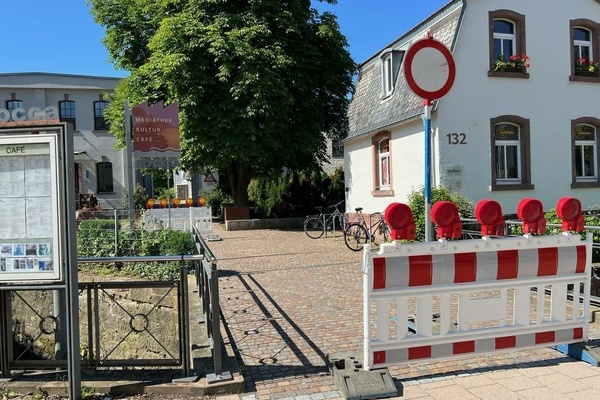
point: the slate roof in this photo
(368, 111)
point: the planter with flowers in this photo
(585, 67)
(513, 63)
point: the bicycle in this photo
(315, 226)
(357, 234)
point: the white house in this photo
(502, 135)
(80, 100)
(100, 168)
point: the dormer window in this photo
(390, 65)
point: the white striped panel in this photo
(567, 260)
(487, 266)
(396, 272)
(528, 263)
(443, 269)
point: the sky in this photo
(60, 36)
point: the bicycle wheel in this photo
(313, 227)
(355, 237)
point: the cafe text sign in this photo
(155, 128)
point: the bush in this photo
(416, 201)
(97, 241)
(139, 196)
(296, 193)
(214, 197)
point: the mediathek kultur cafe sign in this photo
(155, 128)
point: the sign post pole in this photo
(430, 71)
(427, 188)
(129, 151)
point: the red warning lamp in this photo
(201, 201)
(489, 215)
(399, 218)
(175, 202)
(163, 203)
(150, 203)
(189, 202)
(531, 212)
(569, 211)
(445, 215)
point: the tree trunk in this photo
(239, 180)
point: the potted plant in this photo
(585, 67)
(514, 63)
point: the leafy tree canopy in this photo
(258, 82)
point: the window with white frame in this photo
(387, 73)
(381, 145)
(584, 150)
(510, 161)
(508, 150)
(582, 43)
(384, 163)
(507, 48)
(504, 39)
(584, 50)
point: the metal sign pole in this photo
(129, 152)
(427, 192)
(430, 71)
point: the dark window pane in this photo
(501, 26)
(512, 162)
(104, 175)
(581, 34)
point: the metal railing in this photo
(133, 315)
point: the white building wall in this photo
(547, 98)
(90, 147)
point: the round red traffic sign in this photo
(429, 69)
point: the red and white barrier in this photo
(440, 299)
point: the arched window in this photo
(384, 163)
(584, 150)
(511, 164)
(504, 39)
(381, 144)
(584, 50)
(507, 40)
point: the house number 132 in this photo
(457, 138)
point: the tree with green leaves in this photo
(261, 84)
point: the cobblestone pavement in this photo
(289, 300)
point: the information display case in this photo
(31, 190)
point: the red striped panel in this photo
(508, 264)
(420, 270)
(506, 342)
(544, 337)
(378, 357)
(581, 259)
(379, 273)
(463, 347)
(465, 267)
(547, 261)
(419, 352)
(578, 333)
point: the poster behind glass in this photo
(29, 248)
